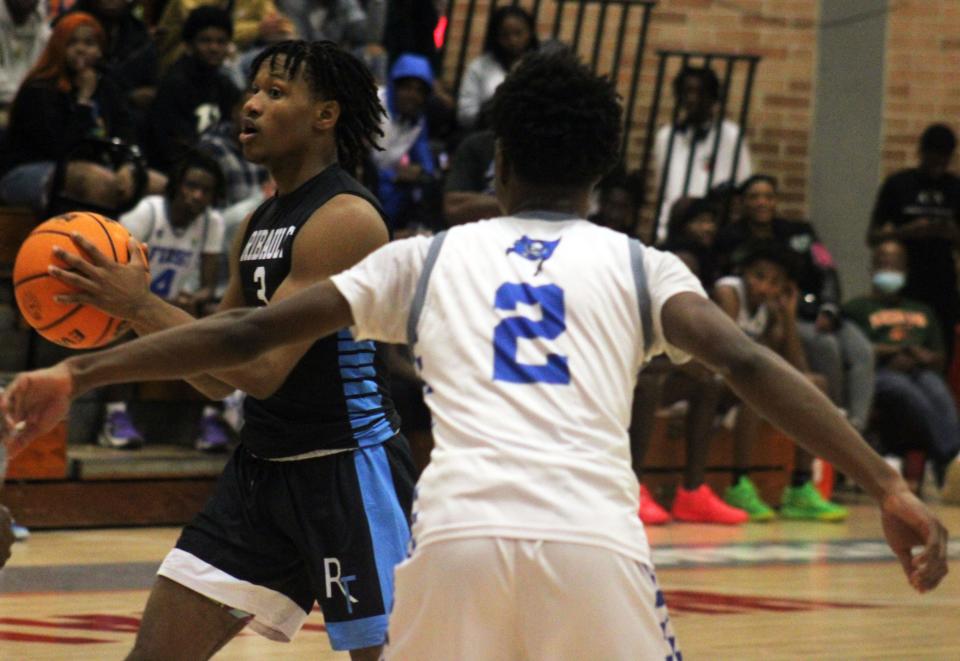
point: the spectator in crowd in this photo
(185, 239)
(511, 33)
(341, 21)
(468, 188)
(63, 101)
(222, 142)
(692, 237)
(405, 161)
(921, 208)
(23, 36)
(836, 349)
(912, 395)
(194, 94)
(763, 302)
(130, 57)
(693, 169)
(252, 21)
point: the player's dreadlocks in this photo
(335, 75)
(558, 124)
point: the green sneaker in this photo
(806, 503)
(744, 495)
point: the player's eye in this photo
(275, 93)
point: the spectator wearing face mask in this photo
(906, 337)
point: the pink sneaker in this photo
(650, 511)
(703, 506)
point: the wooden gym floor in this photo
(784, 590)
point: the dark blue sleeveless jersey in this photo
(337, 395)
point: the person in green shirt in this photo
(909, 352)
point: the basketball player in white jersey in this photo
(529, 331)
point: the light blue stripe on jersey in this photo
(643, 292)
(356, 634)
(389, 536)
(420, 295)
(367, 418)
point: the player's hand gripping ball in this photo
(71, 325)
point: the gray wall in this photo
(847, 126)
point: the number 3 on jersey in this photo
(260, 280)
(511, 329)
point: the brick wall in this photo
(782, 31)
(922, 81)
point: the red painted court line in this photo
(114, 623)
(58, 640)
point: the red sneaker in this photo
(703, 506)
(650, 512)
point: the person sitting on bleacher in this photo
(64, 100)
(762, 299)
(405, 165)
(23, 35)
(184, 235)
(130, 56)
(913, 398)
(692, 237)
(511, 33)
(195, 93)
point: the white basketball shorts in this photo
(499, 599)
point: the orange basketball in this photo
(69, 324)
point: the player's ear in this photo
(326, 114)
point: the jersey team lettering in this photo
(266, 244)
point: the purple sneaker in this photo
(119, 433)
(213, 435)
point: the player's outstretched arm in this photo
(37, 400)
(782, 395)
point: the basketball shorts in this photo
(278, 536)
(493, 598)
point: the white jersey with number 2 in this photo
(528, 332)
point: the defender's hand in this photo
(120, 290)
(33, 404)
(907, 523)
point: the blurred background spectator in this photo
(915, 407)
(692, 169)
(195, 94)
(510, 33)
(921, 208)
(23, 36)
(405, 165)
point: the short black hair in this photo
(491, 43)
(557, 123)
(194, 158)
(757, 178)
(696, 206)
(333, 74)
(708, 78)
(938, 139)
(203, 17)
(766, 250)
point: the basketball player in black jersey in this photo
(313, 505)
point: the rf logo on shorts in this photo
(332, 576)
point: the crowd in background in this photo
(137, 110)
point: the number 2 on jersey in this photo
(511, 329)
(260, 280)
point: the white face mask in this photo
(889, 282)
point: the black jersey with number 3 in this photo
(336, 395)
